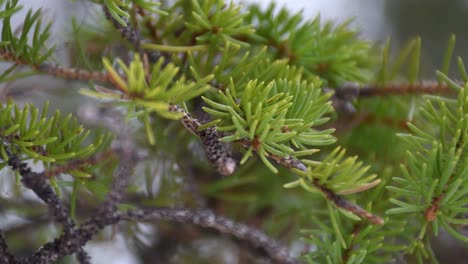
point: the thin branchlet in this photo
(207, 219)
(73, 73)
(132, 35)
(67, 243)
(127, 32)
(38, 184)
(344, 94)
(59, 71)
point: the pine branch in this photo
(289, 162)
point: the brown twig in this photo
(353, 90)
(431, 212)
(73, 73)
(344, 95)
(59, 71)
(427, 87)
(206, 219)
(340, 202)
(350, 247)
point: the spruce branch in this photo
(292, 164)
(30, 134)
(216, 152)
(434, 179)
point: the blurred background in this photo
(379, 21)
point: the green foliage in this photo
(215, 22)
(240, 66)
(31, 135)
(344, 175)
(119, 9)
(26, 50)
(276, 118)
(155, 89)
(434, 182)
(409, 56)
(382, 117)
(332, 52)
(342, 242)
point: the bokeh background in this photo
(397, 20)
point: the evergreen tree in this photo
(294, 138)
